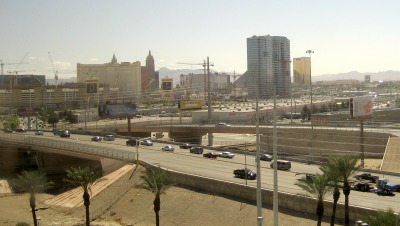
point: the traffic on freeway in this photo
(182, 160)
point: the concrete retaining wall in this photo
(248, 194)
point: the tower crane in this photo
(18, 64)
(54, 70)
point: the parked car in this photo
(96, 138)
(366, 176)
(20, 130)
(282, 165)
(222, 124)
(65, 133)
(109, 138)
(168, 148)
(210, 155)
(226, 155)
(57, 132)
(147, 142)
(266, 157)
(196, 150)
(185, 146)
(39, 132)
(8, 130)
(245, 173)
(132, 142)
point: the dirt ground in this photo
(122, 203)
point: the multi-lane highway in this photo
(221, 168)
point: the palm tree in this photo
(158, 182)
(345, 167)
(84, 178)
(319, 189)
(383, 218)
(334, 178)
(33, 182)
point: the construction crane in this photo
(204, 64)
(18, 64)
(54, 70)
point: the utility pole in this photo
(210, 135)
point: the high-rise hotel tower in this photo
(301, 71)
(268, 65)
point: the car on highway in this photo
(20, 130)
(65, 133)
(109, 138)
(396, 187)
(132, 142)
(226, 154)
(196, 150)
(362, 186)
(266, 157)
(39, 132)
(211, 155)
(185, 146)
(168, 148)
(282, 165)
(367, 176)
(308, 176)
(245, 174)
(96, 138)
(147, 142)
(8, 130)
(222, 124)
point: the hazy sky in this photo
(346, 35)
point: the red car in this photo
(211, 155)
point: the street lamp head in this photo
(309, 51)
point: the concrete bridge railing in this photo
(46, 144)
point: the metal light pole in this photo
(275, 157)
(258, 192)
(210, 135)
(311, 106)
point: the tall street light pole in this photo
(311, 110)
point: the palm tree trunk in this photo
(336, 196)
(86, 202)
(32, 202)
(346, 192)
(157, 206)
(320, 212)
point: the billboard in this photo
(117, 110)
(361, 107)
(190, 104)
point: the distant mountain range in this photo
(175, 74)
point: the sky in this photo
(345, 35)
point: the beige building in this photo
(301, 71)
(125, 76)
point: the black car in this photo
(96, 138)
(8, 130)
(132, 142)
(245, 173)
(196, 150)
(211, 155)
(65, 133)
(266, 157)
(367, 176)
(185, 146)
(20, 130)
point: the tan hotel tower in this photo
(301, 71)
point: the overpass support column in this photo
(193, 138)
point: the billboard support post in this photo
(362, 142)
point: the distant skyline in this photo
(344, 35)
